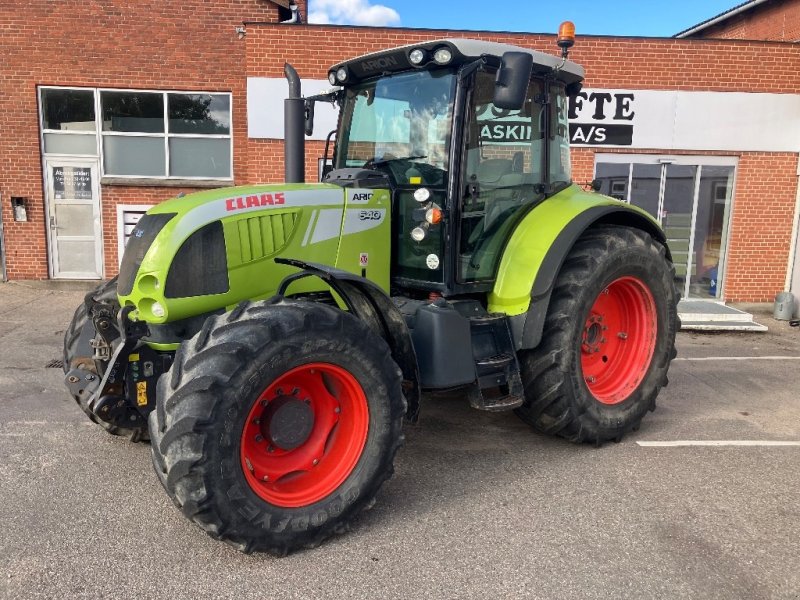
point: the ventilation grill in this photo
(264, 235)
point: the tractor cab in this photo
(468, 135)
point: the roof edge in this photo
(724, 16)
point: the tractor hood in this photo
(208, 251)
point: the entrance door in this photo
(76, 235)
(690, 196)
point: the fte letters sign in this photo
(599, 118)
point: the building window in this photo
(142, 134)
(68, 122)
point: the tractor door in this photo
(502, 175)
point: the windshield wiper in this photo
(388, 160)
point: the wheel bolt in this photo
(265, 478)
(622, 335)
(337, 410)
(590, 380)
(315, 462)
(259, 438)
(73, 379)
(271, 448)
(263, 403)
(307, 400)
(256, 421)
(295, 391)
(602, 340)
(279, 392)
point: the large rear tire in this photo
(608, 339)
(78, 353)
(277, 424)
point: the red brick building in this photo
(766, 20)
(709, 142)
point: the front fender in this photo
(367, 301)
(540, 244)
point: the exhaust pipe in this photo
(294, 124)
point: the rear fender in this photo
(540, 244)
(368, 302)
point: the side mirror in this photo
(511, 85)
(596, 184)
(309, 121)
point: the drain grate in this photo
(55, 364)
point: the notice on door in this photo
(72, 183)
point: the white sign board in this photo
(635, 119)
(265, 98)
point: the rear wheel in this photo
(277, 424)
(608, 339)
(78, 353)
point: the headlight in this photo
(157, 310)
(341, 74)
(417, 56)
(442, 56)
(422, 194)
(332, 78)
(418, 234)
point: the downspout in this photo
(793, 243)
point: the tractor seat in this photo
(491, 171)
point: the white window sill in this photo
(157, 182)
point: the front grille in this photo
(142, 237)
(200, 267)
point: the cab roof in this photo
(464, 51)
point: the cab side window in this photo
(503, 167)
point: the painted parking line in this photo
(702, 358)
(678, 443)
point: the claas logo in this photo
(254, 200)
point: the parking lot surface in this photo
(479, 505)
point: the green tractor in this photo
(271, 340)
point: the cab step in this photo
(499, 386)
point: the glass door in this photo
(691, 197)
(76, 239)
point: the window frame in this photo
(100, 135)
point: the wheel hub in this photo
(618, 339)
(304, 434)
(288, 422)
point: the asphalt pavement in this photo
(479, 507)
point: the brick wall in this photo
(778, 20)
(192, 45)
(187, 45)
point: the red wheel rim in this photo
(337, 432)
(618, 340)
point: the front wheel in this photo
(277, 424)
(608, 339)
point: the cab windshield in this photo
(400, 125)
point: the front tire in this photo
(608, 339)
(277, 424)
